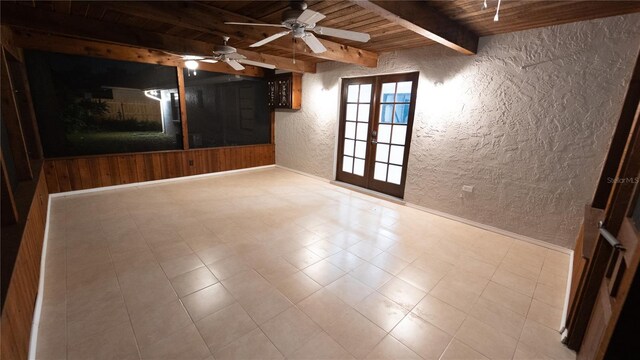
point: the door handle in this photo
(609, 237)
(374, 141)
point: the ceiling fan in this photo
(300, 22)
(226, 54)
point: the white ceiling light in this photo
(191, 64)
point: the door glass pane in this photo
(361, 133)
(347, 164)
(380, 172)
(397, 154)
(386, 110)
(361, 149)
(395, 174)
(351, 112)
(363, 112)
(365, 93)
(401, 114)
(382, 152)
(388, 92)
(358, 167)
(399, 134)
(352, 93)
(348, 147)
(404, 92)
(350, 130)
(384, 133)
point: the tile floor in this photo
(271, 264)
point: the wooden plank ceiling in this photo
(204, 21)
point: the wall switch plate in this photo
(467, 188)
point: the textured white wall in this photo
(527, 121)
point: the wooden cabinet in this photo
(284, 91)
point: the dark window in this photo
(88, 105)
(175, 107)
(226, 110)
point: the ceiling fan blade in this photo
(257, 63)
(270, 38)
(344, 34)
(234, 64)
(192, 57)
(310, 17)
(211, 61)
(313, 43)
(252, 24)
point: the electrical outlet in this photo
(467, 188)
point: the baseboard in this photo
(37, 311)
(438, 213)
(315, 177)
(565, 307)
(161, 181)
(364, 191)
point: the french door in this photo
(376, 119)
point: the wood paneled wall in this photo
(88, 172)
(17, 313)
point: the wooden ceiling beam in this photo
(208, 18)
(418, 17)
(92, 29)
(35, 40)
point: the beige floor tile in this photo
(545, 341)
(345, 239)
(166, 251)
(324, 248)
(185, 343)
(476, 267)
(459, 351)
(264, 304)
(423, 280)
(545, 314)
(498, 317)
(297, 287)
(224, 326)
(99, 316)
(193, 281)
(389, 263)
(323, 307)
(52, 342)
(440, 314)
(215, 253)
(254, 345)
(355, 333)
(508, 298)
(522, 265)
(207, 301)
(423, 338)
(159, 322)
(181, 265)
(245, 283)
(345, 260)
(349, 289)
(486, 340)
(371, 275)
(514, 282)
(364, 250)
(321, 346)
(391, 349)
(550, 295)
(526, 352)
(277, 269)
(302, 258)
(140, 295)
(228, 267)
(405, 252)
(381, 311)
(402, 293)
(290, 330)
(323, 272)
(118, 343)
(553, 276)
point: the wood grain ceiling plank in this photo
(428, 22)
(92, 29)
